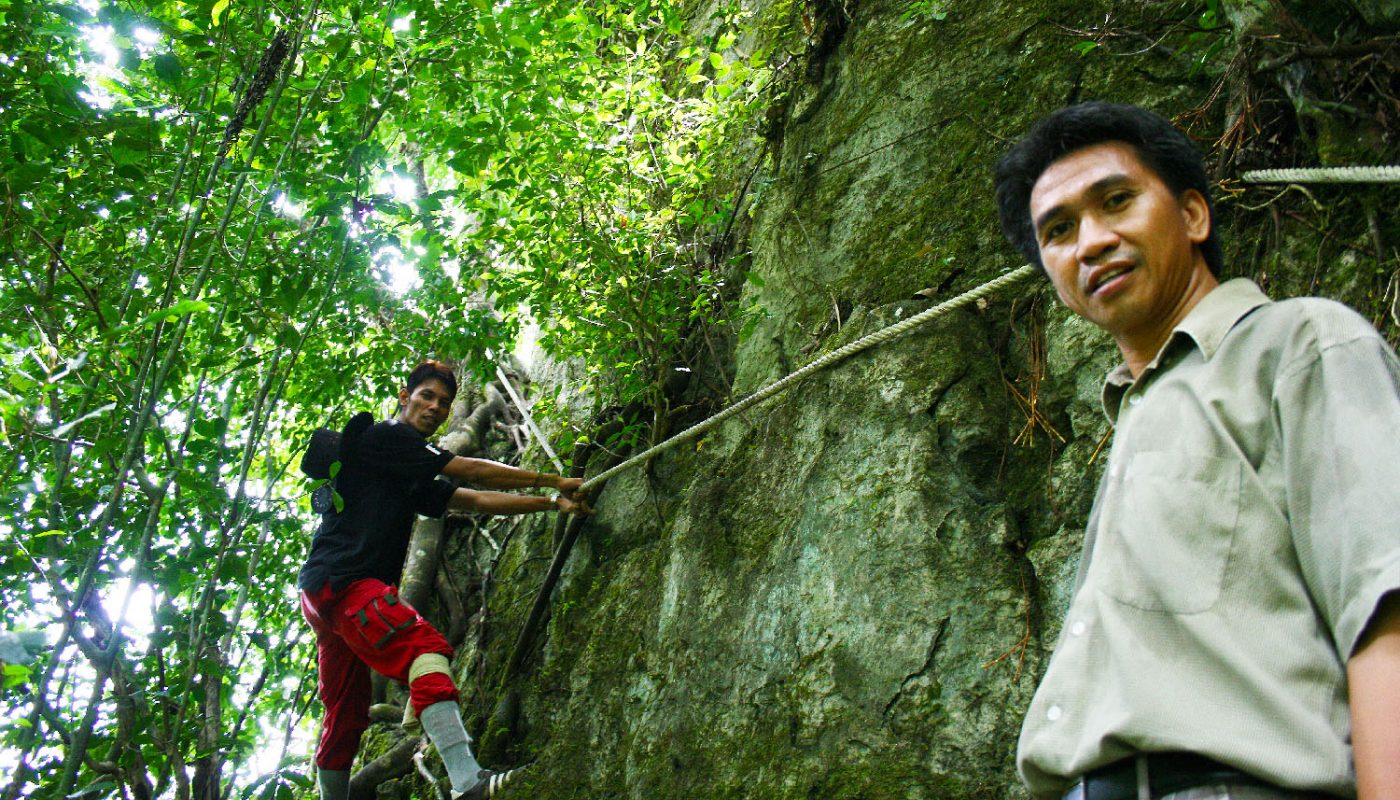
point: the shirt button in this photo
(1054, 713)
(1135, 399)
(1077, 629)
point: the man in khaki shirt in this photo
(1235, 628)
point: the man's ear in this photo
(1195, 212)
(403, 398)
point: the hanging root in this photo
(271, 62)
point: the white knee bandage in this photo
(426, 664)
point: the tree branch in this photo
(394, 764)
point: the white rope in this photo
(529, 421)
(864, 343)
(1324, 175)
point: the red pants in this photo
(361, 627)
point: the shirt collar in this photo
(1206, 325)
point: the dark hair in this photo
(1158, 144)
(429, 370)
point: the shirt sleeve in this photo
(402, 451)
(1337, 408)
(431, 498)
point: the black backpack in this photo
(327, 451)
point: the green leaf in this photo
(51, 132)
(21, 382)
(98, 788)
(177, 310)
(61, 93)
(168, 68)
(24, 176)
(210, 427)
(15, 675)
(170, 314)
(218, 11)
(123, 156)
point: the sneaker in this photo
(488, 782)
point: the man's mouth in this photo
(1097, 282)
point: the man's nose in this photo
(1096, 239)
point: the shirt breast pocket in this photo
(1168, 543)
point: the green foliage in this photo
(15, 675)
(1192, 30)
(176, 320)
(601, 224)
(1205, 45)
(925, 10)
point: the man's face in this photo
(1118, 245)
(426, 407)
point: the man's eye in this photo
(1055, 230)
(1117, 200)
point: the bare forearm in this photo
(500, 503)
(495, 475)
(1373, 678)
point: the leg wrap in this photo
(427, 663)
(437, 688)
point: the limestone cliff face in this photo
(852, 591)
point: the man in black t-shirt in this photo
(348, 590)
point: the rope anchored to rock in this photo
(1377, 174)
(525, 642)
(864, 343)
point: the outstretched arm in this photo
(484, 472)
(1373, 676)
(504, 503)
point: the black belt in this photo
(1166, 773)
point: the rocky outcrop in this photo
(851, 592)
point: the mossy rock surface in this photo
(851, 591)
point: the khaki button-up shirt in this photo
(1247, 526)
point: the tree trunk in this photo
(394, 764)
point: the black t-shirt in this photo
(392, 476)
